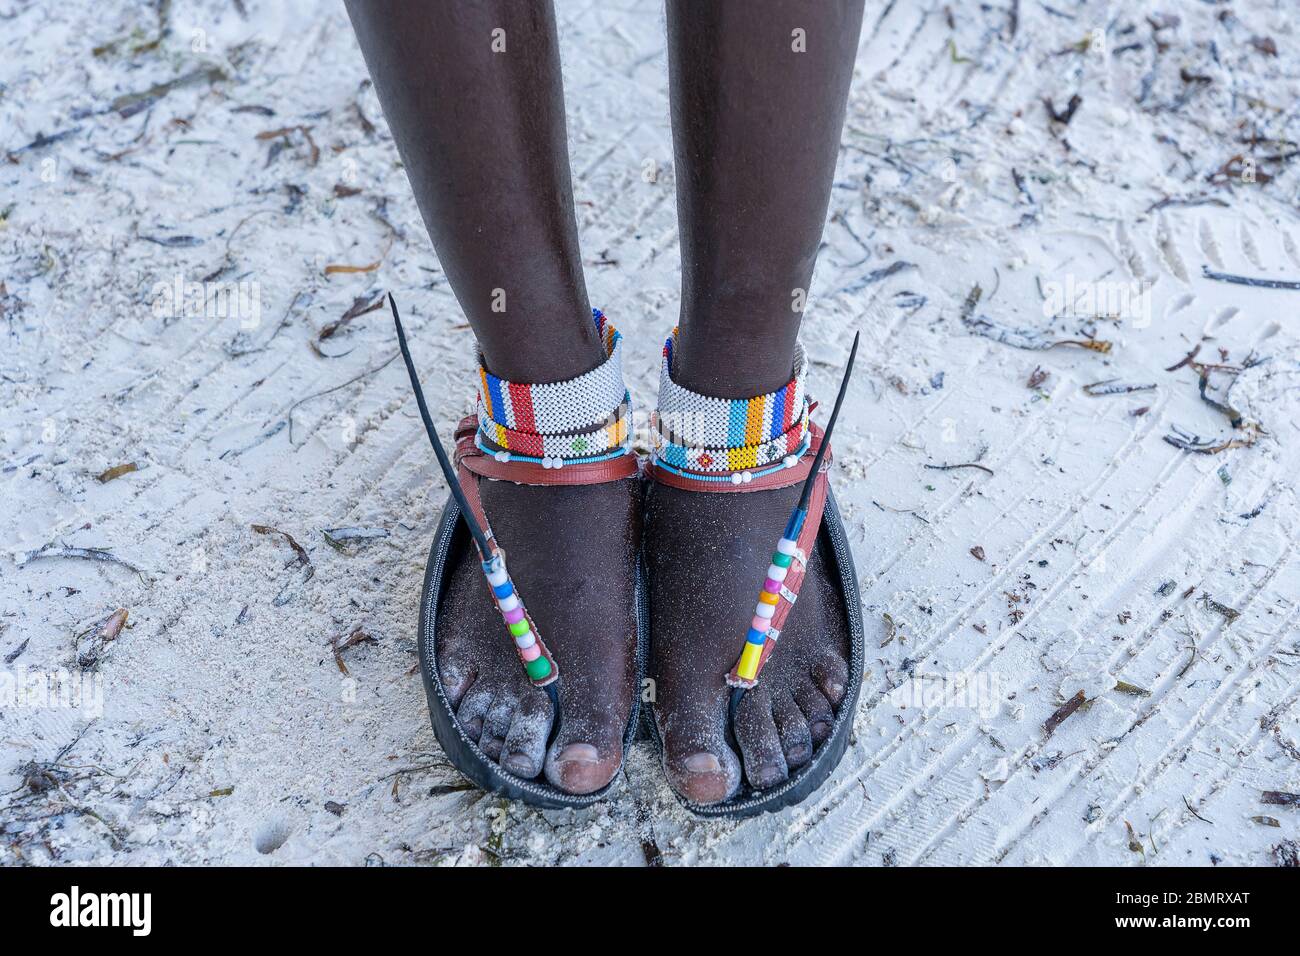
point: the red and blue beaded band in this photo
(582, 420)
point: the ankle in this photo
(561, 354)
(708, 362)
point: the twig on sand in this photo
(1250, 431)
(1186, 359)
(89, 554)
(1195, 201)
(1209, 273)
(1113, 386)
(1062, 712)
(967, 464)
(1195, 814)
(300, 553)
(1032, 339)
(341, 644)
(1280, 798)
(366, 374)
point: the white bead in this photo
(502, 456)
(776, 572)
(557, 462)
(790, 461)
(546, 461)
(736, 479)
(525, 640)
(786, 546)
(747, 476)
(764, 610)
(509, 603)
(498, 575)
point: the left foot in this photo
(706, 554)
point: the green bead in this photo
(520, 627)
(782, 560)
(538, 669)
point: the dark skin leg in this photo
(756, 130)
(481, 133)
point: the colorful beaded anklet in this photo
(729, 440)
(552, 424)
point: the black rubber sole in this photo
(453, 541)
(838, 557)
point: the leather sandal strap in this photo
(471, 459)
(794, 580)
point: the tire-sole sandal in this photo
(815, 523)
(504, 442)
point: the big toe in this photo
(581, 767)
(700, 765)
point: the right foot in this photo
(572, 554)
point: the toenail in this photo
(820, 727)
(474, 727)
(520, 765)
(578, 753)
(836, 689)
(702, 763)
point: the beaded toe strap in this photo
(784, 578)
(575, 432)
(789, 564)
(752, 444)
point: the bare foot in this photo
(706, 554)
(572, 554)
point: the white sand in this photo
(227, 734)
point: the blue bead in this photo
(755, 636)
(504, 590)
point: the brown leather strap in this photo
(471, 458)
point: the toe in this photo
(588, 747)
(525, 743)
(497, 723)
(580, 768)
(792, 728)
(760, 745)
(457, 675)
(700, 764)
(816, 708)
(831, 675)
(581, 761)
(474, 707)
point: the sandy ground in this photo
(238, 145)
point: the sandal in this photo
(536, 435)
(715, 445)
